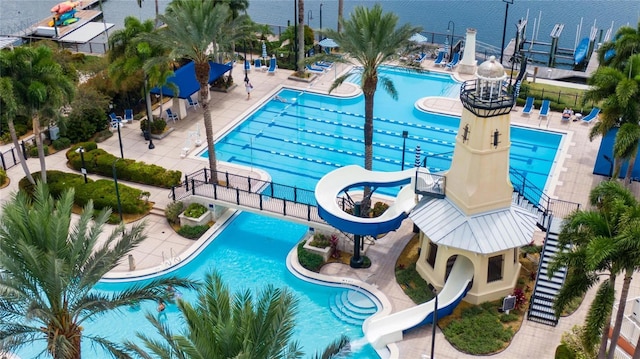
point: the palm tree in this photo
(8, 110)
(157, 11)
(340, 14)
(370, 38)
(300, 35)
(226, 325)
(603, 241)
(208, 28)
(40, 87)
(50, 267)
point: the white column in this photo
(468, 63)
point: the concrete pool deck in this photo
(571, 180)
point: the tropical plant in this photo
(600, 242)
(370, 38)
(38, 88)
(226, 325)
(198, 43)
(50, 267)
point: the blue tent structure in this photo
(604, 166)
(184, 79)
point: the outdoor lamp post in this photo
(115, 181)
(246, 75)
(80, 150)
(295, 35)
(320, 35)
(404, 145)
(608, 159)
(504, 27)
(118, 125)
(451, 26)
(435, 323)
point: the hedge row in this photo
(101, 162)
(102, 192)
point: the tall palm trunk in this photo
(632, 161)
(202, 74)
(301, 66)
(72, 331)
(604, 339)
(38, 138)
(615, 335)
(369, 88)
(16, 144)
(340, 11)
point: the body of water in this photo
(487, 16)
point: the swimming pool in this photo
(249, 253)
(314, 134)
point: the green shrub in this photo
(157, 125)
(61, 143)
(563, 352)
(195, 210)
(33, 151)
(102, 192)
(417, 288)
(320, 241)
(378, 209)
(308, 260)
(101, 162)
(193, 232)
(463, 333)
(508, 318)
(3, 176)
(173, 210)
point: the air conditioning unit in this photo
(635, 315)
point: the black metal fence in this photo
(10, 158)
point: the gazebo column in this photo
(179, 106)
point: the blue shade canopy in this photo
(184, 79)
(328, 43)
(604, 167)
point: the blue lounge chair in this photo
(258, 64)
(593, 114)
(528, 106)
(193, 103)
(440, 59)
(318, 70)
(544, 109)
(420, 58)
(247, 65)
(128, 115)
(273, 66)
(324, 64)
(454, 62)
(171, 116)
(115, 118)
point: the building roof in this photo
(184, 79)
(489, 232)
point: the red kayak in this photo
(63, 7)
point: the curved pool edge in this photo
(294, 267)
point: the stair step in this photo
(546, 290)
(352, 307)
(543, 309)
(542, 319)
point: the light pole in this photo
(80, 150)
(295, 34)
(404, 145)
(504, 27)
(246, 75)
(435, 324)
(608, 159)
(320, 35)
(115, 181)
(451, 25)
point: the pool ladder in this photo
(171, 260)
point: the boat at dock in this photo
(581, 51)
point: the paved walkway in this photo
(571, 180)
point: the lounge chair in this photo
(171, 116)
(593, 114)
(420, 58)
(273, 66)
(115, 120)
(318, 70)
(128, 115)
(528, 106)
(258, 64)
(440, 59)
(544, 109)
(325, 65)
(454, 62)
(193, 103)
(247, 65)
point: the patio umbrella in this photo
(418, 37)
(328, 43)
(264, 50)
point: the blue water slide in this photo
(344, 178)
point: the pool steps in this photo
(352, 307)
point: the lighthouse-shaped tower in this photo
(477, 219)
